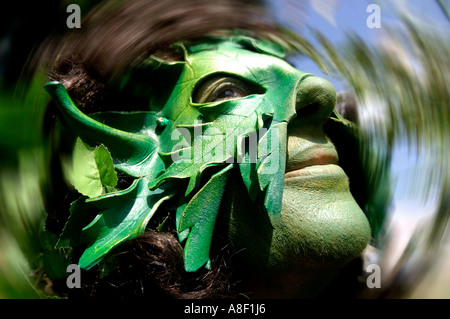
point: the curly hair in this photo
(118, 35)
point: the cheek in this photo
(320, 224)
(245, 227)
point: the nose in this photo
(315, 100)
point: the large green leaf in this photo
(122, 216)
(135, 152)
(80, 216)
(200, 216)
(271, 168)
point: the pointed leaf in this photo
(134, 152)
(104, 162)
(272, 167)
(80, 216)
(200, 216)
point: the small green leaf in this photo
(162, 224)
(105, 166)
(249, 177)
(91, 170)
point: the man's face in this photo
(320, 222)
(236, 135)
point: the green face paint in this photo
(237, 112)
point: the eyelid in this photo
(222, 87)
(212, 81)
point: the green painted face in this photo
(236, 113)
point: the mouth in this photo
(315, 160)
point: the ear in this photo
(133, 148)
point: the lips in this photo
(316, 159)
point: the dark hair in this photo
(151, 266)
(118, 35)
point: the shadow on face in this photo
(321, 225)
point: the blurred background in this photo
(396, 76)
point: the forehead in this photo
(254, 62)
(258, 64)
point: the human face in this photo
(320, 225)
(320, 221)
(290, 204)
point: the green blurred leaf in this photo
(135, 152)
(80, 216)
(55, 259)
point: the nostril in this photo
(316, 98)
(308, 110)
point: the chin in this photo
(321, 229)
(321, 223)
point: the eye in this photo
(222, 88)
(227, 92)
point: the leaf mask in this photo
(225, 107)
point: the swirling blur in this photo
(401, 82)
(398, 82)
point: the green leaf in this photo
(249, 177)
(55, 259)
(200, 216)
(271, 168)
(217, 144)
(80, 216)
(135, 152)
(91, 170)
(105, 166)
(123, 216)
